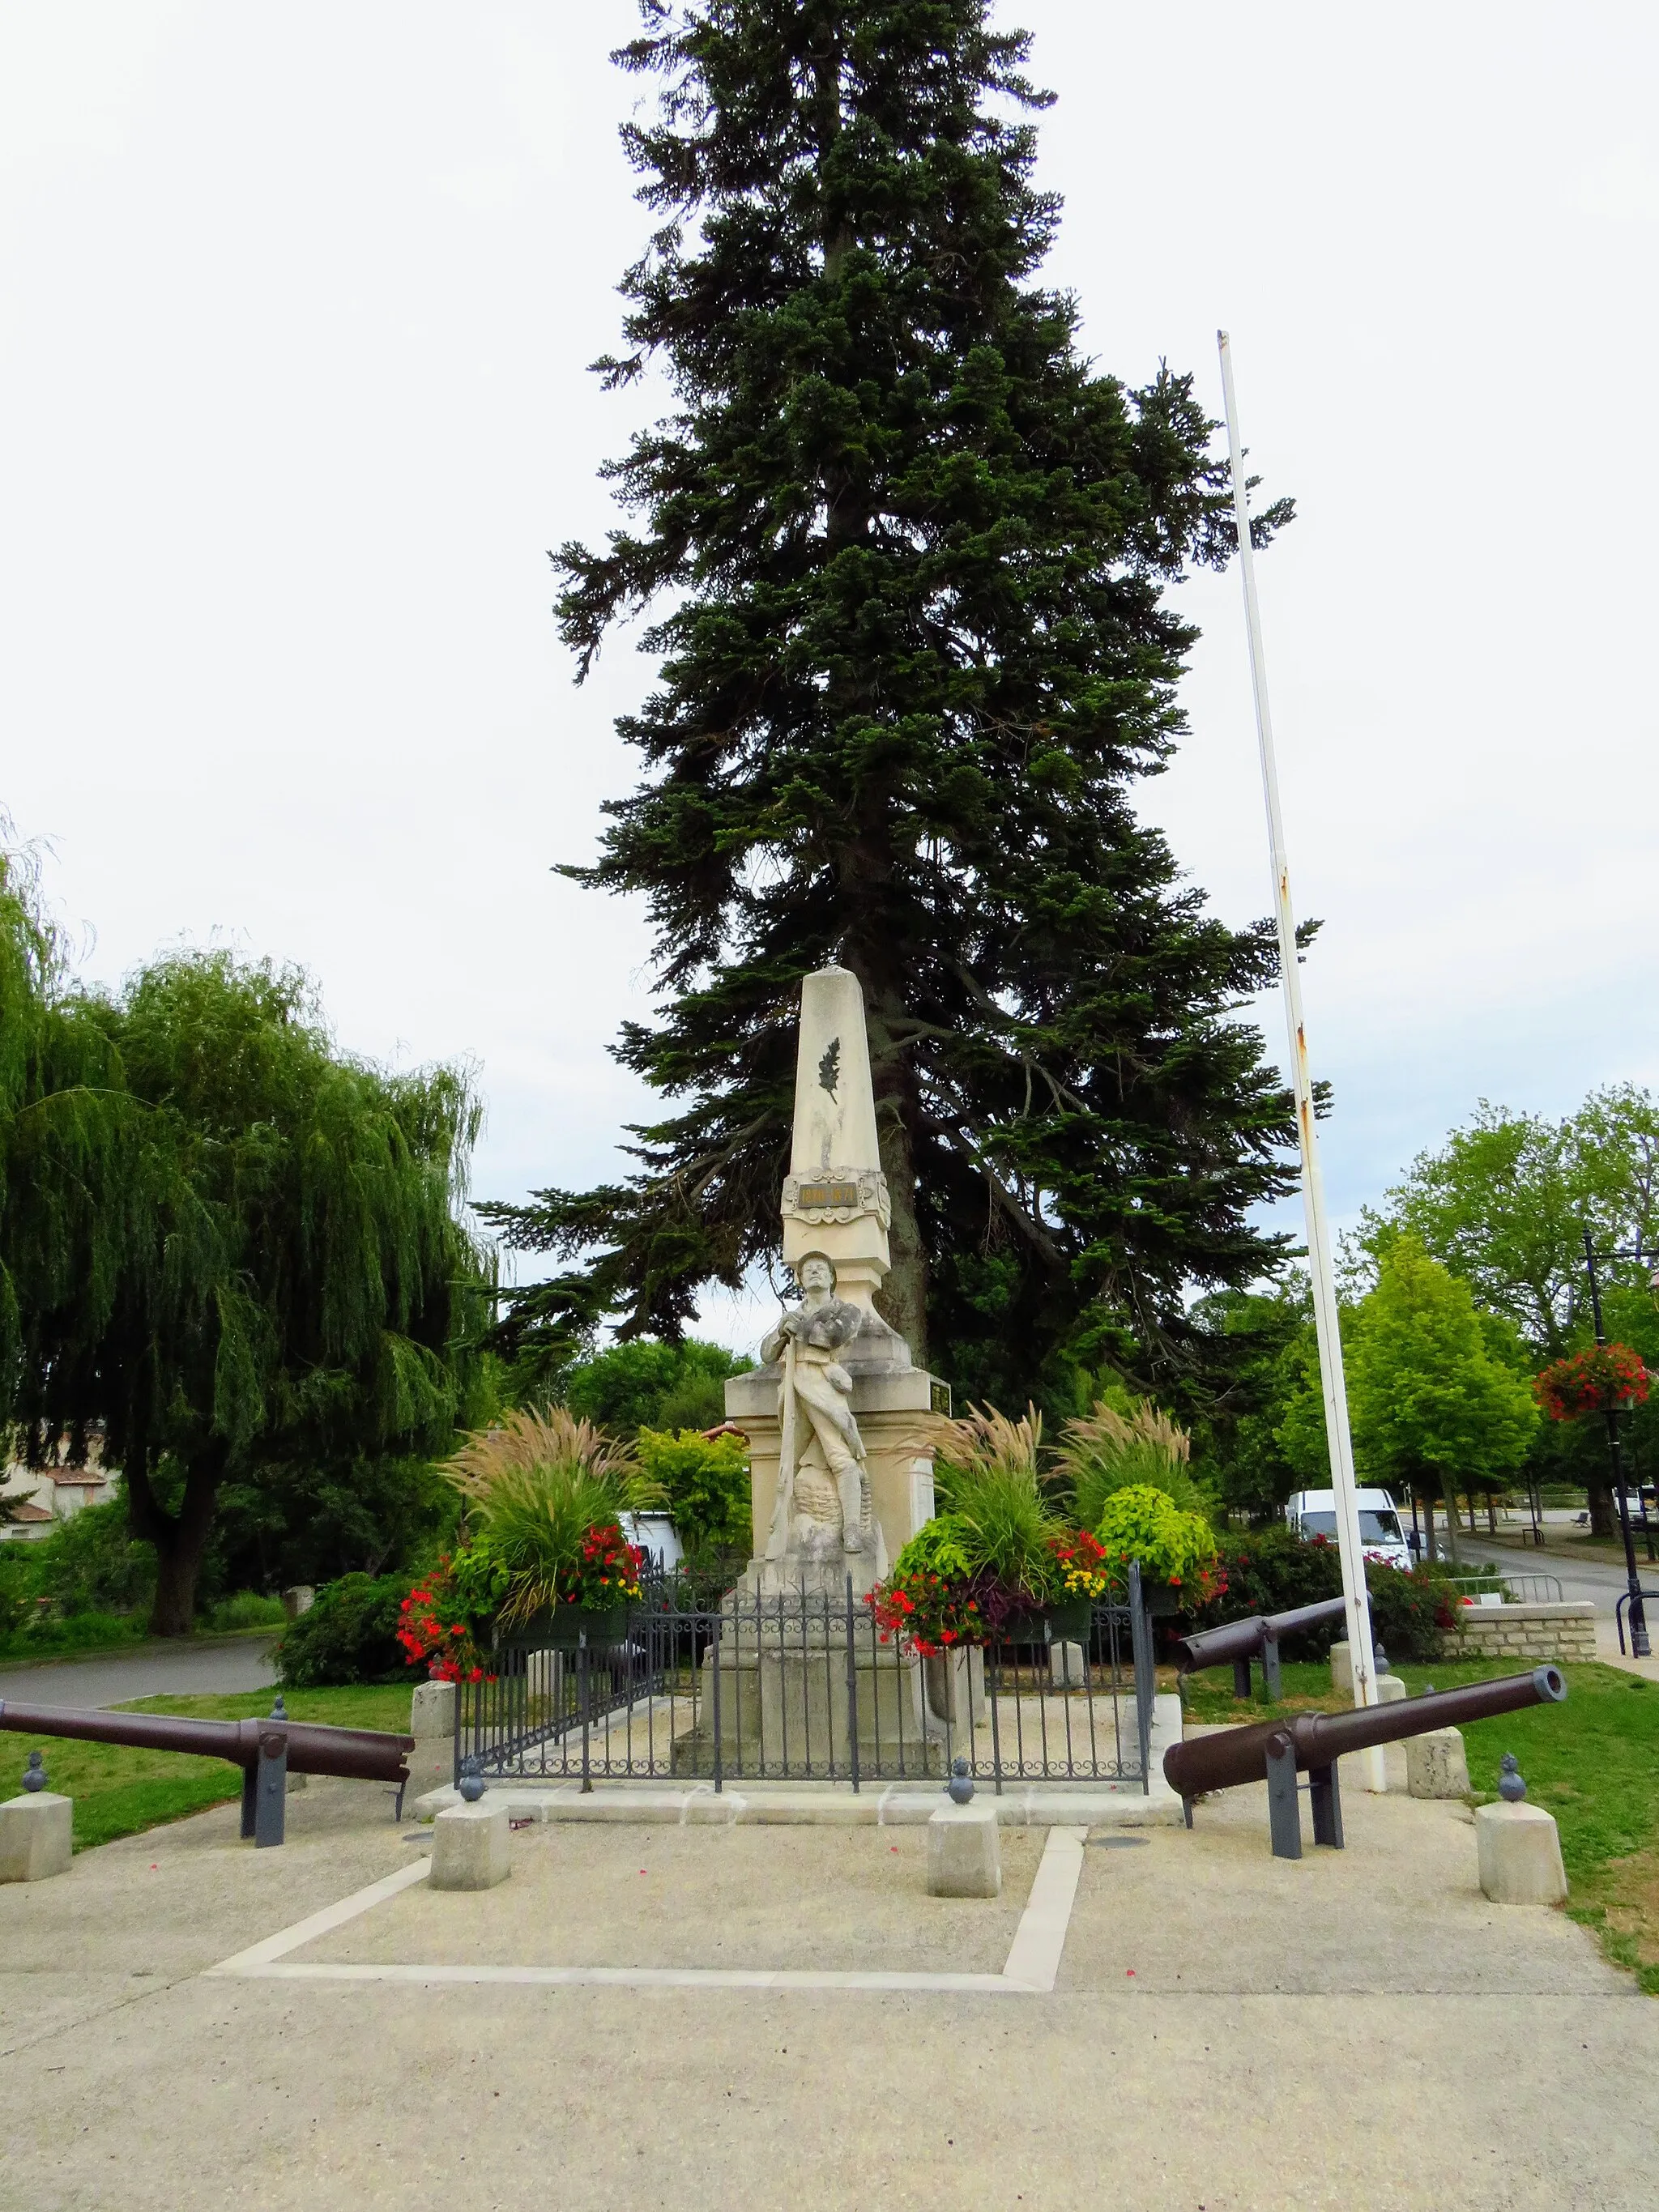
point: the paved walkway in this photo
(221, 1668)
(1226, 2030)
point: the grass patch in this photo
(1593, 1762)
(119, 1791)
(80, 1635)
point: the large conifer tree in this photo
(909, 553)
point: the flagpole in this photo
(1326, 1322)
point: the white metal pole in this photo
(1326, 1320)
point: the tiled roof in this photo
(70, 1477)
(29, 1512)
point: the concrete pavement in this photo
(1228, 2030)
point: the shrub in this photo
(349, 1635)
(247, 1609)
(705, 1482)
(546, 1493)
(935, 1596)
(1142, 1523)
(1275, 1570)
(89, 1564)
(1106, 1451)
(1412, 1609)
(988, 1483)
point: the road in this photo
(154, 1670)
(1597, 1580)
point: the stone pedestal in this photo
(432, 1724)
(472, 1846)
(1520, 1854)
(1390, 1690)
(1342, 1668)
(1436, 1766)
(788, 1710)
(964, 1858)
(36, 1835)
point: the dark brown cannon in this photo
(1313, 1742)
(1256, 1638)
(267, 1750)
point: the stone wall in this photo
(1522, 1632)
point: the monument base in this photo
(798, 1699)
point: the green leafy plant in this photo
(705, 1483)
(1142, 1523)
(544, 1494)
(349, 1635)
(988, 1480)
(1104, 1451)
(936, 1596)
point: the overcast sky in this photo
(295, 310)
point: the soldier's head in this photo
(817, 1272)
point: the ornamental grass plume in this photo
(537, 1487)
(988, 1482)
(1105, 1451)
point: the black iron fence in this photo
(801, 1685)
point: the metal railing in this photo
(1522, 1590)
(805, 1686)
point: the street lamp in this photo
(1638, 1620)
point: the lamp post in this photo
(1638, 1619)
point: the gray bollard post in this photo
(270, 1789)
(1271, 1682)
(1325, 1796)
(1283, 1799)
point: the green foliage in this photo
(89, 1564)
(247, 1609)
(648, 1385)
(1274, 1570)
(231, 1246)
(706, 1484)
(349, 1635)
(298, 1521)
(987, 1482)
(1426, 1399)
(1260, 1342)
(908, 555)
(1107, 1450)
(1142, 1523)
(537, 1487)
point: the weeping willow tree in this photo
(222, 1241)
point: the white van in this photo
(1313, 1513)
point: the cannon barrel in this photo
(1244, 1639)
(356, 1755)
(1232, 1756)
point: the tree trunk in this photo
(1431, 1546)
(1450, 1497)
(180, 1539)
(1602, 1519)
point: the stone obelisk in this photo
(836, 1207)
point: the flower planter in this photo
(1160, 1601)
(1072, 1622)
(563, 1627)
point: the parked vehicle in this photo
(1313, 1513)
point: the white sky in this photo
(295, 310)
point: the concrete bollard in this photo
(1067, 1669)
(472, 1846)
(1390, 1690)
(1342, 1668)
(964, 1857)
(1436, 1766)
(432, 1724)
(36, 1837)
(1519, 1852)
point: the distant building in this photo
(54, 1493)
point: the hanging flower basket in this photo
(1597, 1380)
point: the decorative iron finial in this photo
(34, 1774)
(1380, 1658)
(1510, 1788)
(960, 1788)
(471, 1783)
(279, 1710)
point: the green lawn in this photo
(119, 1791)
(1593, 1762)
